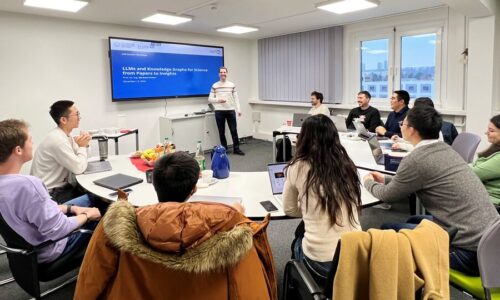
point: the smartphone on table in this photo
(268, 206)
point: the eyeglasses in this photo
(75, 114)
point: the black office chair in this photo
(24, 266)
(300, 283)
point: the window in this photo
(398, 58)
(374, 58)
(418, 64)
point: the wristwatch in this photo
(68, 209)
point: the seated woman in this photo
(322, 187)
(487, 166)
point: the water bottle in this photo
(166, 146)
(103, 148)
(199, 156)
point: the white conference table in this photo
(358, 150)
(250, 187)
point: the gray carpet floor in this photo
(281, 232)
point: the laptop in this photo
(277, 176)
(339, 122)
(298, 119)
(377, 152)
(118, 181)
(97, 167)
(361, 130)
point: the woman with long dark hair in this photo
(487, 166)
(323, 188)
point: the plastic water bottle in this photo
(166, 146)
(199, 156)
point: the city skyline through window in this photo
(416, 66)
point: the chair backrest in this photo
(466, 144)
(23, 266)
(488, 256)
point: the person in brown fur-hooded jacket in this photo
(175, 249)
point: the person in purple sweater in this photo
(25, 203)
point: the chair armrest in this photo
(309, 281)
(46, 243)
(42, 245)
(13, 250)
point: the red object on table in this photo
(125, 131)
(140, 164)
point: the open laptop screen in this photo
(377, 152)
(298, 119)
(277, 177)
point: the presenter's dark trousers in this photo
(220, 117)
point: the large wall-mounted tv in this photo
(143, 69)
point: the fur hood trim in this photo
(223, 250)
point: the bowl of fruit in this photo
(149, 156)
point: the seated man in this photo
(399, 105)
(317, 105)
(60, 155)
(447, 134)
(26, 205)
(177, 250)
(446, 186)
(448, 130)
(368, 115)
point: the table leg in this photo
(274, 148)
(284, 147)
(116, 146)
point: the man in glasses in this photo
(61, 155)
(445, 185)
(399, 105)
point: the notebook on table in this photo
(277, 176)
(118, 181)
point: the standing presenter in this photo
(224, 97)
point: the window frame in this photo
(394, 34)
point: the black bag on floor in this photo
(279, 150)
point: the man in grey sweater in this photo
(448, 189)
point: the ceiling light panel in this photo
(346, 6)
(64, 5)
(237, 29)
(167, 18)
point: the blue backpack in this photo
(220, 162)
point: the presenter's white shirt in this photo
(224, 90)
(57, 157)
(321, 109)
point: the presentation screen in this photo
(142, 69)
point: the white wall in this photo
(496, 63)
(47, 59)
(480, 75)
